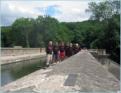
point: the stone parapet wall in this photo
(98, 51)
(20, 51)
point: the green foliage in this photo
(108, 14)
(101, 31)
(21, 29)
(6, 40)
(103, 10)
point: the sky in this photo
(63, 11)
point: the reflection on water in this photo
(13, 71)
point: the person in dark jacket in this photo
(70, 49)
(49, 53)
(67, 54)
(56, 52)
(76, 48)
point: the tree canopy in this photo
(102, 30)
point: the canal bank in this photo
(106, 62)
(10, 55)
(79, 73)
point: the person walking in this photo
(49, 53)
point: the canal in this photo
(13, 71)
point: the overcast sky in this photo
(64, 11)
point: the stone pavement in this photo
(79, 73)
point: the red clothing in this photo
(62, 55)
(62, 52)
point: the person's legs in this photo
(62, 56)
(59, 56)
(47, 60)
(56, 58)
(51, 58)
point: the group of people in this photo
(59, 51)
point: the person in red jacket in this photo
(62, 51)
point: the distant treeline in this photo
(102, 30)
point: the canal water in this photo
(14, 71)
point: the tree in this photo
(101, 31)
(103, 10)
(108, 13)
(21, 29)
(6, 40)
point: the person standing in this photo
(70, 49)
(56, 52)
(76, 48)
(62, 51)
(49, 52)
(67, 50)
